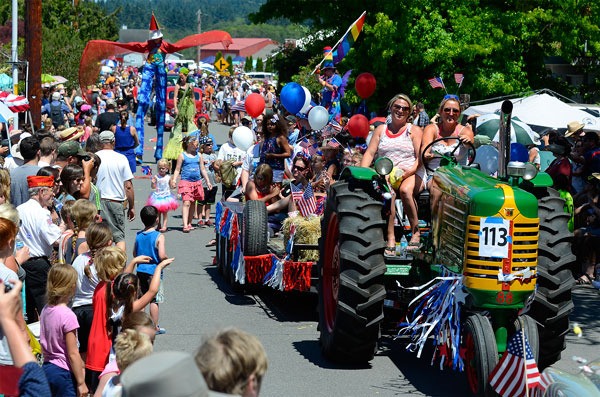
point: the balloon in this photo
(396, 177)
(487, 158)
(255, 104)
(307, 98)
(171, 66)
(368, 138)
(243, 138)
(292, 97)
(318, 117)
(358, 126)
(518, 152)
(365, 85)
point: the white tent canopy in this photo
(542, 110)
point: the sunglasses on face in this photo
(299, 168)
(451, 110)
(403, 108)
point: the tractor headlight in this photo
(519, 169)
(383, 166)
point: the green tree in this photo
(259, 65)
(500, 47)
(248, 64)
(269, 64)
(218, 55)
(230, 62)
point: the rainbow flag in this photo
(349, 38)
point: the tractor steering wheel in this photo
(451, 155)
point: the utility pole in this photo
(33, 54)
(199, 26)
(15, 56)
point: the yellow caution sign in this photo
(221, 65)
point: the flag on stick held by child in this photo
(436, 82)
(517, 371)
(305, 201)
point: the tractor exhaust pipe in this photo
(504, 138)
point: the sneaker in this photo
(160, 331)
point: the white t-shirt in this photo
(85, 286)
(5, 357)
(252, 160)
(37, 230)
(229, 152)
(113, 172)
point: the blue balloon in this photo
(292, 97)
(518, 152)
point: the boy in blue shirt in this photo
(150, 242)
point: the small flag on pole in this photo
(305, 201)
(459, 77)
(436, 82)
(517, 371)
(334, 143)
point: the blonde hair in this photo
(109, 261)
(97, 236)
(83, 213)
(8, 211)
(163, 163)
(5, 184)
(228, 358)
(131, 345)
(61, 285)
(404, 97)
(445, 101)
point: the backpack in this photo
(228, 174)
(56, 114)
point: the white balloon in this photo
(307, 98)
(243, 137)
(487, 158)
(318, 117)
(368, 139)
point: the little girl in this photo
(191, 167)
(97, 236)
(209, 158)
(161, 197)
(58, 335)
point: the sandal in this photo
(208, 223)
(390, 252)
(187, 229)
(585, 279)
(211, 243)
(201, 223)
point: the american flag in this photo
(305, 201)
(459, 77)
(436, 82)
(334, 143)
(308, 148)
(514, 372)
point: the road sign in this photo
(221, 64)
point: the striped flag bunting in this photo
(517, 371)
(436, 82)
(305, 201)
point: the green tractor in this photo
(505, 237)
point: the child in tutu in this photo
(161, 197)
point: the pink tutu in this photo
(163, 203)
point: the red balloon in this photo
(358, 126)
(255, 104)
(365, 85)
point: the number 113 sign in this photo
(494, 237)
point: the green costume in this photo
(184, 122)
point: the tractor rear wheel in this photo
(552, 303)
(481, 354)
(351, 270)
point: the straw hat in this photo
(70, 134)
(573, 127)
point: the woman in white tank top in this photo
(401, 142)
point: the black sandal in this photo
(390, 252)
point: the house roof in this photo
(239, 44)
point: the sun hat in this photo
(107, 136)
(70, 148)
(70, 134)
(167, 373)
(291, 119)
(15, 150)
(573, 127)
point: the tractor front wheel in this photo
(481, 354)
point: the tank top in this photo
(398, 147)
(162, 186)
(271, 146)
(145, 244)
(190, 169)
(123, 139)
(446, 150)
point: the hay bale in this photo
(308, 231)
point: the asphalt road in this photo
(198, 301)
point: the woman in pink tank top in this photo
(401, 142)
